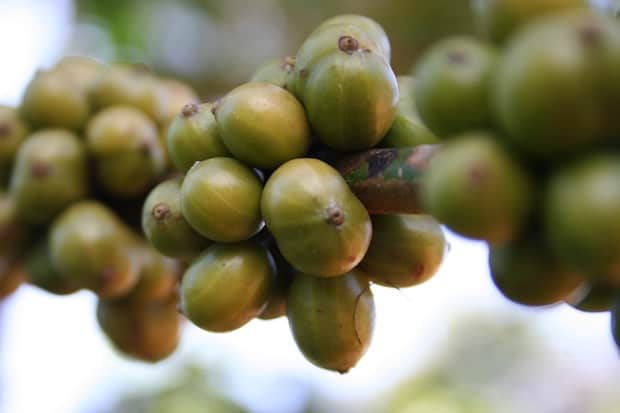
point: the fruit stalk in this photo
(387, 180)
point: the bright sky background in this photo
(54, 358)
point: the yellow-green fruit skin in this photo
(177, 95)
(41, 272)
(90, 248)
(157, 275)
(220, 198)
(127, 154)
(407, 129)
(227, 286)
(350, 99)
(527, 272)
(279, 72)
(371, 27)
(145, 331)
(50, 172)
(582, 203)
(452, 88)
(164, 225)
(82, 71)
(499, 19)
(13, 131)
(53, 99)
(474, 187)
(555, 89)
(320, 227)
(263, 125)
(332, 319)
(194, 136)
(132, 85)
(405, 250)
(323, 42)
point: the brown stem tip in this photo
(348, 44)
(335, 216)
(189, 110)
(161, 211)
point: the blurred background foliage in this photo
(485, 365)
(216, 44)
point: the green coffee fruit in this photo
(41, 273)
(83, 71)
(145, 331)
(555, 89)
(475, 188)
(132, 85)
(320, 227)
(527, 272)
(53, 99)
(499, 19)
(332, 319)
(220, 198)
(279, 72)
(165, 226)
(194, 136)
(581, 205)
(157, 275)
(125, 146)
(227, 286)
(452, 86)
(90, 248)
(262, 125)
(50, 173)
(405, 250)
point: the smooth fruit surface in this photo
(452, 86)
(146, 331)
(220, 198)
(279, 72)
(556, 90)
(90, 248)
(320, 227)
(52, 99)
(332, 319)
(227, 286)
(499, 19)
(50, 172)
(474, 187)
(41, 272)
(193, 136)
(581, 206)
(262, 125)
(526, 272)
(165, 226)
(405, 250)
(127, 153)
(350, 99)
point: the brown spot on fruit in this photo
(348, 44)
(40, 169)
(161, 211)
(335, 216)
(189, 110)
